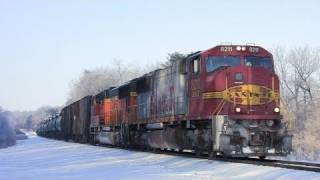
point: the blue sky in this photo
(45, 44)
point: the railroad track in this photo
(296, 165)
(276, 163)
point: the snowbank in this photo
(21, 134)
(7, 132)
(38, 158)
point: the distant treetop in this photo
(172, 57)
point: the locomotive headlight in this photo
(276, 109)
(270, 123)
(243, 48)
(238, 109)
(238, 48)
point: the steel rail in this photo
(296, 165)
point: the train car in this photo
(119, 111)
(131, 106)
(83, 123)
(95, 116)
(224, 100)
(76, 122)
(144, 93)
(67, 123)
(50, 127)
(99, 115)
(110, 130)
(128, 102)
(58, 132)
(115, 117)
(77, 117)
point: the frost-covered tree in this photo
(172, 57)
(298, 70)
(94, 81)
(30, 119)
(40, 114)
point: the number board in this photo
(253, 49)
(226, 48)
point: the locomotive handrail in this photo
(219, 107)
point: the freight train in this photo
(221, 101)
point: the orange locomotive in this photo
(224, 100)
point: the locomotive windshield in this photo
(265, 62)
(215, 62)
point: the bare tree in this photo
(94, 81)
(39, 115)
(90, 82)
(172, 57)
(298, 70)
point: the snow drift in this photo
(7, 132)
(39, 158)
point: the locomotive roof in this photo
(237, 50)
(193, 55)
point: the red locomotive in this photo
(224, 100)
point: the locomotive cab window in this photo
(195, 67)
(215, 62)
(265, 62)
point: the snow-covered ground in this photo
(43, 159)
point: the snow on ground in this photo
(43, 159)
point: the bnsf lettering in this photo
(225, 48)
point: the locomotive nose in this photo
(253, 91)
